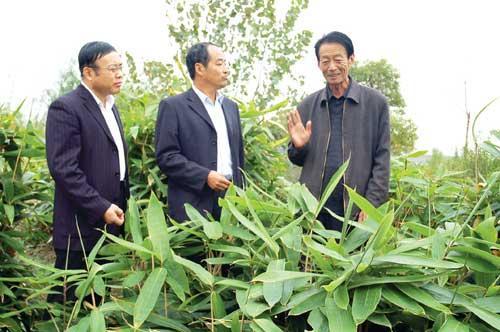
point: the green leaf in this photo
(148, 296)
(365, 205)
(10, 212)
(423, 297)
(341, 297)
(364, 303)
(274, 290)
(133, 279)
(212, 230)
(380, 319)
(487, 256)
(310, 303)
(97, 322)
(99, 286)
(176, 277)
(157, 228)
(324, 250)
(203, 275)
(402, 301)
(267, 325)
(130, 245)
(232, 249)
(487, 230)
(416, 261)
(332, 183)
(452, 325)
(275, 276)
(133, 221)
(338, 319)
(420, 228)
(253, 228)
(318, 321)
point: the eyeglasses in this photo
(112, 68)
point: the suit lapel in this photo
(197, 106)
(93, 108)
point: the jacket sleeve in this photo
(63, 146)
(298, 156)
(377, 191)
(169, 153)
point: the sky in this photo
(437, 46)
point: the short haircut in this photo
(335, 37)
(91, 52)
(197, 53)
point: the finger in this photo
(297, 118)
(309, 127)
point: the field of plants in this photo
(428, 260)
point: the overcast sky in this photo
(436, 46)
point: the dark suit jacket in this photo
(83, 161)
(186, 150)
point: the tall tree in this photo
(382, 76)
(261, 39)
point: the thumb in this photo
(309, 127)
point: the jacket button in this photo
(214, 163)
(214, 142)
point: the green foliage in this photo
(384, 77)
(263, 42)
(287, 264)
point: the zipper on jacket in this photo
(327, 145)
(343, 159)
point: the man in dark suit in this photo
(198, 138)
(86, 155)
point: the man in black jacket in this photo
(87, 158)
(341, 121)
(198, 137)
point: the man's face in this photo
(216, 73)
(334, 63)
(107, 76)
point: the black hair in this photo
(91, 52)
(335, 37)
(197, 53)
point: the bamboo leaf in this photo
(97, 322)
(341, 297)
(402, 301)
(157, 228)
(203, 275)
(133, 221)
(275, 276)
(148, 296)
(452, 325)
(274, 290)
(423, 297)
(322, 249)
(253, 228)
(416, 261)
(338, 319)
(365, 301)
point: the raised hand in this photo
(298, 134)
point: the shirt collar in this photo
(110, 99)
(204, 98)
(353, 92)
(330, 95)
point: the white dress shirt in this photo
(224, 163)
(112, 124)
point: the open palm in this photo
(299, 134)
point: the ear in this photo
(87, 73)
(199, 69)
(352, 59)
